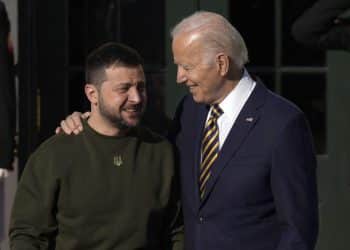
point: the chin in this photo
(197, 99)
(133, 123)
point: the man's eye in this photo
(141, 88)
(122, 90)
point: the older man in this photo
(246, 157)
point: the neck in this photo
(229, 84)
(104, 127)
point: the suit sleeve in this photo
(33, 224)
(174, 221)
(293, 182)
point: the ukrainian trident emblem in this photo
(117, 160)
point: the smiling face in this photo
(122, 96)
(205, 80)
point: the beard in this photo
(115, 118)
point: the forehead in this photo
(186, 47)
(125, 74)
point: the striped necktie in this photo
(210, 147)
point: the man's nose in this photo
(135, 95)
(181, 75)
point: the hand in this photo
(3, 173)
(72, 123)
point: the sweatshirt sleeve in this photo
(33, 222)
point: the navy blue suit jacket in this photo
(262, 193)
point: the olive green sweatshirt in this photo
(92, 191)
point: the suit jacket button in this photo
(201, 219)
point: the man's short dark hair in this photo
(106, 56)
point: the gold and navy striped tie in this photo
(210, 147)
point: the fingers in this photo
(58, 130)
(75, 123)
(66, 129)
(85, 115)
(72, 123)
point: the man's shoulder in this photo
(154, 141)
(274, 110)
(54, 154)
(272, 102)
(147, 135)
(187, 108)
(57, 144)
(188, 100)
(278, 113)
(279, 106)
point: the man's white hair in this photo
(217, 34)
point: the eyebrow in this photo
(130, 83)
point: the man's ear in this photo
(223, 63)
(91, 93)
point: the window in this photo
(297, 73)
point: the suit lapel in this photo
(245, 122)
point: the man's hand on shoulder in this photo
(72, 123)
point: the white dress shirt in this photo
(232, 105)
